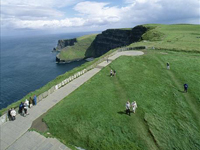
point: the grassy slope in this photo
(92, 117)
(78, 50)
(174, 37)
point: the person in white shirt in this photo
(111, 73)
(26, 104)
(134, 105)
(128, 108)
(13, 114)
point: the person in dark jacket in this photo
(185, 87)
(34, 100)
(21, 108)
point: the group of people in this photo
(128, 107)
(112, 72)
(23, 108)
(185, 85)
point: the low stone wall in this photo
(131, 48)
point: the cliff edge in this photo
(100, 44)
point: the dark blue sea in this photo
(27, 63)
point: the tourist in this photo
(111, 73)
(168, 67)
(134, 105)
(185, 87)
(21, 108)
(9, 114)
(128, 108)
(13, 114)
(34, 100)
(30, 102)
(26, 104)
(114, 73)
(107, 60)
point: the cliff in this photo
(100, 44)
(113, 38)
(64, 43)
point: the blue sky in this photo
(62, 16)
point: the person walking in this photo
(185, 87)
(111, 73)
(134, 106)
(128, 112)
(168, 67)
(114, 73)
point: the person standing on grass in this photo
(168, 67)
(128, 112)
(111, 73)
(134, 105)
(114, 73)
(185, 87)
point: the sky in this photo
(22, 17)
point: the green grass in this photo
(183, 37)
(93, 116)
(78, 50)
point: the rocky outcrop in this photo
(113, 38)
(107, 40)
(64, 43)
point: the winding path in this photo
(14, 135)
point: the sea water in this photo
(28, 63)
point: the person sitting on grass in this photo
(185, 87)
(128, 112)
(134, 105)
(13, 114)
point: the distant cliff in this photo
(64, 43)
(102, 43)
(113, 38)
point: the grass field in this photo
(183, 37)
(93, 116)
(78, 50)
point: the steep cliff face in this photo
(113, 38)
(64, 43)
(107, 40)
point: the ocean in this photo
(28, 63)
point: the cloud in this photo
(29, 12)
(47, 14)
(41, 3)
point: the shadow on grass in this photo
(181, 91)
(123, 112)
